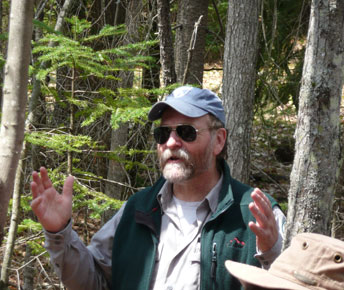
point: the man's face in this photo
(180, 160)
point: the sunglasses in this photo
(188, 133)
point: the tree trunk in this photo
(316, 164)
(29, 270)
(1, 50)
(166, 43)
(15, 98)
(12, 233)
(189, 12)
(239, 76)
(116, 170)
(119, 137)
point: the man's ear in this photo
(220, 141)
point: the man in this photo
(313, 261)
(178, 233)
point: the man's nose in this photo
(173, 140)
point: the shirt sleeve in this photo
(267, 258)
(81, 267)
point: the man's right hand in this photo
(52, 209)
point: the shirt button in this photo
(169, 288)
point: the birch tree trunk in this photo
(15, 98)
(239, 76)
(18, 187)
(316, 164)
(1, 45)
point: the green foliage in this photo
(125, 105)
(70, 53)
(97, 202)
(107, 30)
(76, 53)
(62, 51)
(29, 225)
(78, 25)
(2, 62)
(284, 207)
(37, 248)
(44, 27)
(60, 143)
(3, 37)
(25, 203)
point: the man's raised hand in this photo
(52, 209)
(265, 227)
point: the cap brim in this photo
(183, 108)
(251, 275)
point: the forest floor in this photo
(271, 162)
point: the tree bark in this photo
(119, 137)
(1, 49)
(166, 43)
(12, 233)
(239, 76)
(316, 164)
(189, 12)
(29, 270)
(15, 98)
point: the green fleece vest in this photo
(225, 236)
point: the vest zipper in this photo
(213, 263)
(214, 253)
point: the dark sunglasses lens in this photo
(161, 134)
(187, 133)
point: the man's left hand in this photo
(265, 227)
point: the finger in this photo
(35, 203)
(259, 195)
(68, 187)
(37, 180)
(262, 202)
(258, 215)
(34, 189)
(45, 178)
(255, 229)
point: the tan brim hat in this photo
(251, 275)
(312, 261)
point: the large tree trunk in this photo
(316, 163)
(189, 12)
(166, 43)
(239, 76)
(15, 98)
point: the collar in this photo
(165, 196)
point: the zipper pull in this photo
(213, 262)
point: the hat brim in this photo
(251, 275)
(183, 108)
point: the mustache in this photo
(180, 154)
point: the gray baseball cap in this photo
(192, 102)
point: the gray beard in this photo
(176, 173)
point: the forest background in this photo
(94, 68)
